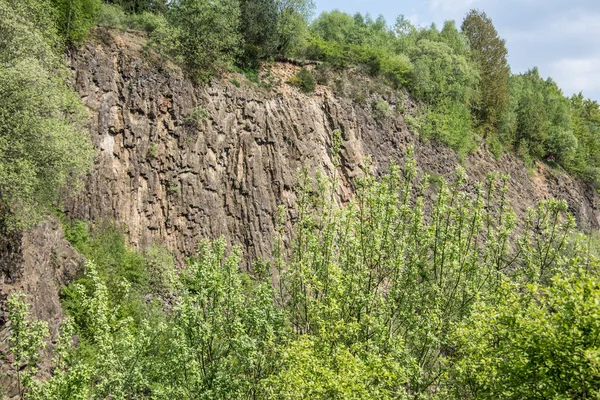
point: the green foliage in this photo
(387, 297)
(152, 150)
(224, 327)
(28, 30)
(540, 122)
(314, 369)
(489, 53)
(115, 17)
(291, 29)
(75, 18)
(43, 149)
(204, 35)
(381, 109)
(532, 343)
(141, 6)
(585, 122)
(196, 116)
(304, 79)
(25, 342)
(105, 245)
(112, 16)
(259, 30)
(445, 79)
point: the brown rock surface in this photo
(173, 183)
(42, 261)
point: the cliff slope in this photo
(172, 181)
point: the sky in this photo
(561, 38)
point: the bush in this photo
(385, 297)
(304, 79)
(146, 21)
(112, 16)
(397, 69)
(381, 110)
(540, 343)
(43, 148)
(76, 17)
(203, 35)
(196, 116)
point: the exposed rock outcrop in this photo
(178, 162)
(172, 180)
(39, 263)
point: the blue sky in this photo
(561, 38)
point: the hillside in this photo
(233, 199)
(172, 183)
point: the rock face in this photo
(179, 162)
(40, 261)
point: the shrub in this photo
(381, 110)
(43, 148)
(76, 17)
(203, 35)
(112, 16)
(196, 116)
(303, 79)
(322, 74)
(152, 150)
(397, 69)
(385, 297)
(540, 343)
(146, 21)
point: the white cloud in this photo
(576, 74)
(448, 5)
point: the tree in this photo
(76, 17)
(204, 34)
(43, 149)
(532, 343)
(259, 30)
(138, 6)
(489, 53)
(292, 23)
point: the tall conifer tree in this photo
(489, 52)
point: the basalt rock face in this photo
(178, 162)
(36, 263)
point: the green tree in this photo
(539, 123)
(139, 6)
(585, 121)
(203, 34)
(489, 52)
(533, 342)
(28, 29)
(75, 18)
(292, 25)
(26, 340)
(445, 80)
(43, 149)
(259, 30)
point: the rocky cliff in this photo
(178, 162)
